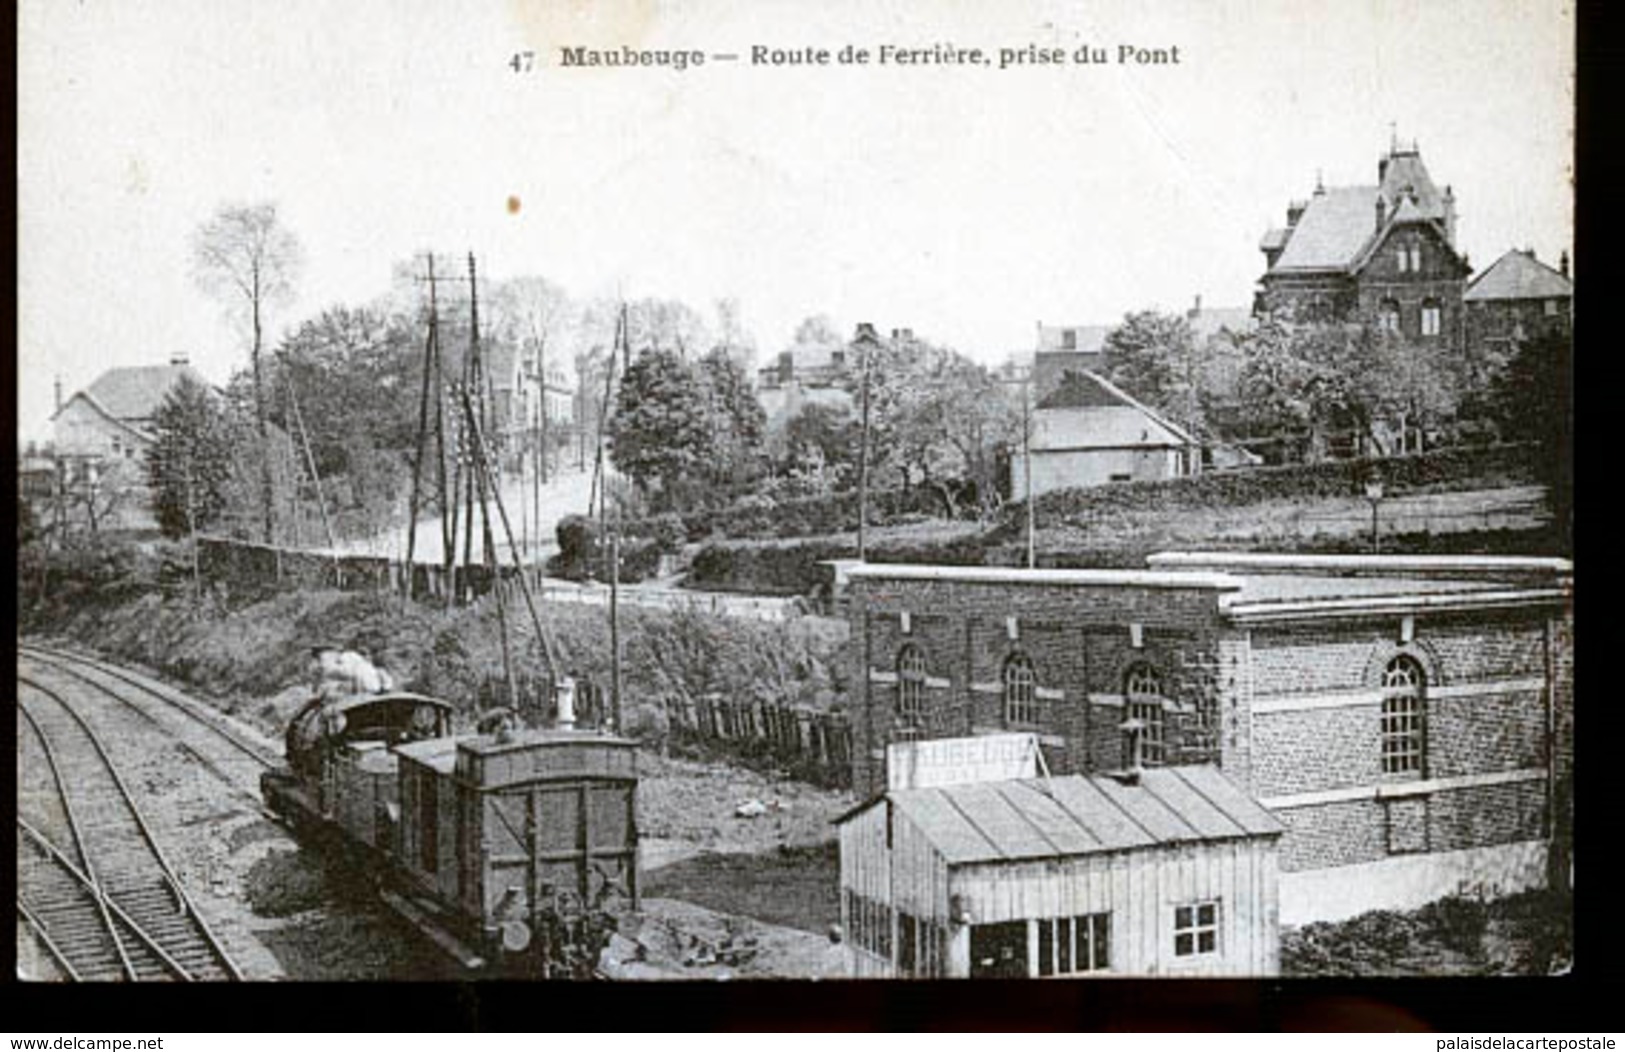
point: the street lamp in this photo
(1373, 493)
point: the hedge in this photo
(790, 567)
(758, 516)
(1457, 468)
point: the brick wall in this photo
(1332, 835)
(1079, 642)
(1303, 751)
(1077, 639)
(1311, 749)
(1494, 814)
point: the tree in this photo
(735, 417)
(355, 374)
(1533, 401)
(243, 257)
(660, 429)
(1155, 358)
(1322, 379)
(819, 447)
(189, 461)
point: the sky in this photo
(966, 202)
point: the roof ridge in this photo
(1113, 389)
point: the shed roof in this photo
(1080, 815)
(1134, 423)
(1518, 275)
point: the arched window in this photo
(911, 688)
(1142, 690)
(1404, 717)
(1388, 316)
(1020, 690)
(1431, 316)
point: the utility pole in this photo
(1027, 468)
(615, 618)
(599, 483)
(477, 446)
(423, 435)
(863, 455)
(310, 461)
(191, 526)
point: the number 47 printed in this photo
(522, 61)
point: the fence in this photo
(247, 566)
(814, 745)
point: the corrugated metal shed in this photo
(1078, 815)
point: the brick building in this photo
(1406, 718)
(1517, 298)
(1384, 254)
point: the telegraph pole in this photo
(863, 459)
(1027, 468)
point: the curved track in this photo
(92, 880)
(200, 729)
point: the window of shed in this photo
(1404, 716)
(1074, 945)
(1196, 929)
(911, 688)
(1020, 690)
(1142, 688)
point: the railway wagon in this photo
(512, 851)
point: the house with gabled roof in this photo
(1384, 254)
(1518, 298)
(112, 418)
(1088, 432)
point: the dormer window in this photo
(1069, 339)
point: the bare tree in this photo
(248, 261)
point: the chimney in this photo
(1450, 215)
(1382, 169)
(1294, 211)
(1382, 211)
(866, 331)
(1562, 268)
(1196, 311)
(59, 383)
(178, 358)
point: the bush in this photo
(579, 548)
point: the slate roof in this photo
(1518, 276)
(135, 392)
(1333, 228)
(1405, 176)
(1075, 815)
(1120, 420)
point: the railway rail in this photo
(93, 883)
(222, 736)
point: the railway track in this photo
(93, 882)
(199, 729)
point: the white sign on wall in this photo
(955, 761)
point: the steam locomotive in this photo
(514, 851)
